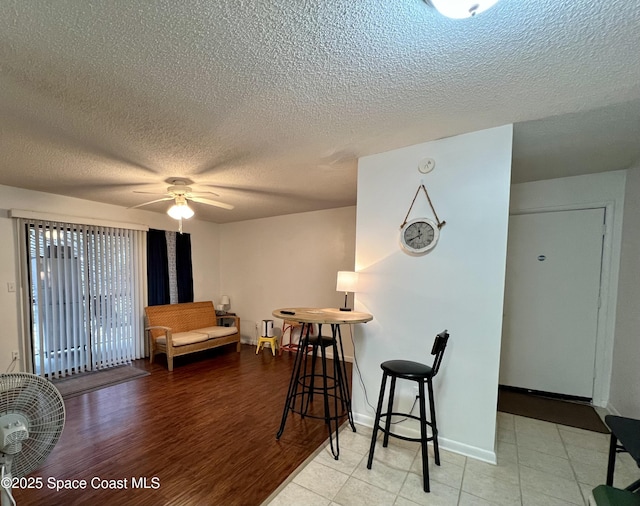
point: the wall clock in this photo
(419, 235)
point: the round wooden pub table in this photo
(334, 385)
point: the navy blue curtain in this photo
(157, 268)
(184, 272)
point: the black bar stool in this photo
(421, 373)
(332, 383)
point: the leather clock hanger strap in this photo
(406, 218)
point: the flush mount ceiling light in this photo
(459, 9)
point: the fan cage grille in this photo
(41, 404)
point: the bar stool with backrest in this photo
(421, 373)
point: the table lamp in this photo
(225, 302)
(347, 282)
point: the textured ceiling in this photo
(269, 103)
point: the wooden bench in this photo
(180, 329)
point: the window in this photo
(85, 296)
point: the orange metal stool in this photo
(290, 326)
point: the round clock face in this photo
(419, 235)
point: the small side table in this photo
(221, 316)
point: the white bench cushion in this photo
(216, 331)
(184, 338)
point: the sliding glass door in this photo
(84, 296)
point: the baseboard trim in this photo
(612, 410)
(446, 444)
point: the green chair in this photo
(625, 437)
(609, 496)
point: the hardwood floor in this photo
(201, 435)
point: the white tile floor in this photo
(539, 464)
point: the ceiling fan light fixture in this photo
(180, 210)
(459, 9)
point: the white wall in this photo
(204, 242)
(605, 189)
(625, 378)
(457, 286)
(286, 261)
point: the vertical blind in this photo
(86, 287)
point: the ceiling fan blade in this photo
(201, 194)
(212, 203)
(152, 202)
(150, 193)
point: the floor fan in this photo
(31, 421)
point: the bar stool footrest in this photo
(407, 438)
(303, 411)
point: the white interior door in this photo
(551, 301)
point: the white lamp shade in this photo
(225, 300)
(180, 210)
(459, 9)
(347, 281)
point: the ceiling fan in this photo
(181, 194)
